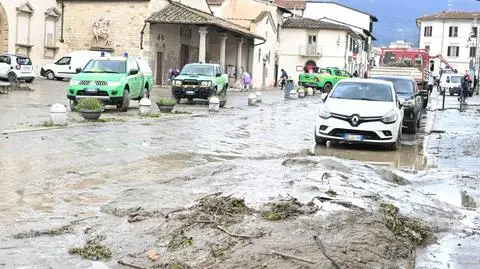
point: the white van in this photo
(451, 83)
(66, 66)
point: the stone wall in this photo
(125, 22)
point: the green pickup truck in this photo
(114, 80)
(200, 81)
(324, 79)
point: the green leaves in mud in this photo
(92, 252)
(402, 226)
(287, 209)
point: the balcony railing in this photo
(310, 50)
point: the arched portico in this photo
(3, 30)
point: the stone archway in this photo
(3, 30)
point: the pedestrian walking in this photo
(365, 74)
(283, 79)
(246, 81)
(464, 85)
(431, 81)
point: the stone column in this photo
(223, 44)
(202, 47)
(239, 58)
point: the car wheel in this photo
(395, 145)
(125, 102)
(451, 93)
(146, 92)
(12, 77)
(190, 100)
(50, 75)
(318, 140)
(73, 104)
(178, 99)
(412, 127)
(327, 88)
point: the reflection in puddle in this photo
(407, 157)
(448, 192)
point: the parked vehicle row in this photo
(371, 111)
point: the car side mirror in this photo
(78, 70)
(218, 75)
(324, 96)
(401, 102)
(133, 72)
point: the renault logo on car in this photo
(355, 120)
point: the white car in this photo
(16, 67)
(361, 111)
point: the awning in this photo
(176, 13)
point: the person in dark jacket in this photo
(355, 74)
(283, 79)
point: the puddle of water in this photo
(407, 157)
(449, 193)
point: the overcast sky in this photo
(397, 17)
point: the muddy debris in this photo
(331, 192)
(179, 240)
(287, 209)
(92, 251)
(47, 232)
(220, 209)
(390, 176)
(402, 226)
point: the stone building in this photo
(29, 28)
(165, 32)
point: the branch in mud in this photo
(51, 232)
(322, 249)
(285, 255)
(238, 235)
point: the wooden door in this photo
(160, 73)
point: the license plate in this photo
(91, 90)
(26, 68)
(351, 137)
(190, 92)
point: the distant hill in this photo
(397, 17)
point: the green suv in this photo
(114, 80)
(200, 81)
(324, 79)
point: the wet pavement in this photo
(83, 173)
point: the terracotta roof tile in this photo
(176, 13)
(452, 15)
(290, 4)
(215, 2)
(305, 23)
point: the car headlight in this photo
(114, 83)
(324, 113)
(74, 82)
(177, 82)
(206, 83)
(390, 117)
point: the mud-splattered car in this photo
(200, 81)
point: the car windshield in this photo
(401, 85)
(103, 66)
(24, 61)
(363, 91)
(456, 79)
(197, 69)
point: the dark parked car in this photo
(406, 88)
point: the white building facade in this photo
(30, 28)
(359, 21)
(310, 42)
(451, 34)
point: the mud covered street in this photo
(242, 188)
